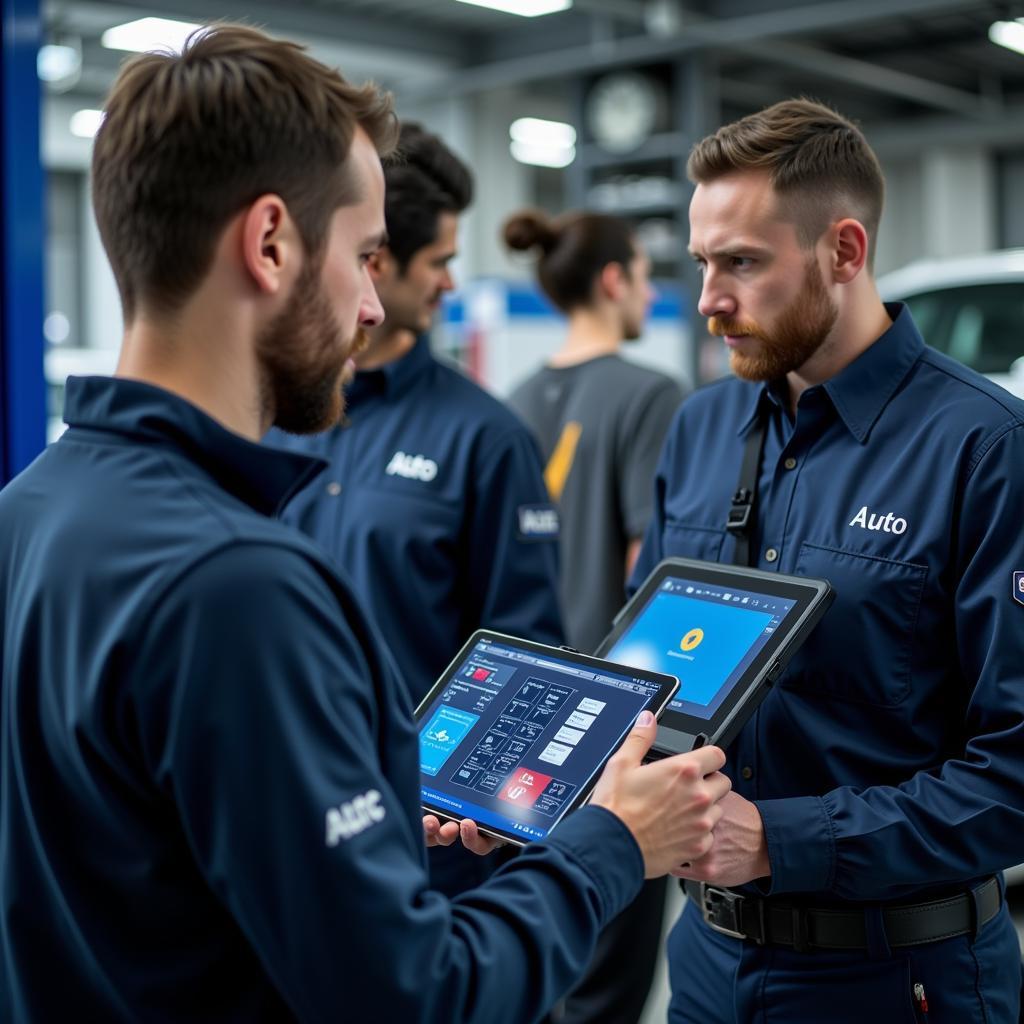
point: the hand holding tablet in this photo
(515, 735)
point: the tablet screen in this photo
(515, 734)
(706, 634)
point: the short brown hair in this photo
(573, 250)
(189, 140)
(818, 162)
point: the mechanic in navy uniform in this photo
(209, 784)
(879, 790)
(434, 505)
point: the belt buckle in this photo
(721, 910)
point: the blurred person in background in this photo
(600, 421)
(434, 503)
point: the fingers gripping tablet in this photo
(515, 734)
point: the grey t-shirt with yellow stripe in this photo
(600, 425)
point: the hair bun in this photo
(530, 228)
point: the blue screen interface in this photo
(705, 635)
(514, 735)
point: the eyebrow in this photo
(375, 242)
(740, 249)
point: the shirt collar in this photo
(863, 389)
(394, 378)
(262, 477)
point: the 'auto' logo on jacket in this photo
(412, 467)
(888, 523)
(354, 816)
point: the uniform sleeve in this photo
(512, 556)
(263, 725)
(639, 448)
(965, 817)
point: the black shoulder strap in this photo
(743, 513)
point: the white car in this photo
(971, 308)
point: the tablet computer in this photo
(726, 631)
(514, 734)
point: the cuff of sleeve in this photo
(602, 845)
(801, 844)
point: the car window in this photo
(980, 325)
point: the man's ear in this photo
(849, 248)
(271, 247)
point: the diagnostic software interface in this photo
(706, 635)
(514, 735)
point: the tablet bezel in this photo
(679, 731)
(667, 687)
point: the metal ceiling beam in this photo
(743, 31)
(873, 77)
(904, 139)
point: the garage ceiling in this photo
(888, 62)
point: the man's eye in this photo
(741, 262)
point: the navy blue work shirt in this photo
(209, 785)
(434, 506)
(889, 759)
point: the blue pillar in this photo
(22, 227)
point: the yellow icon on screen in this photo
(692, 639)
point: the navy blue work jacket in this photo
(209, 786)
(434, 506)
(889, 759)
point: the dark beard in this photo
(799, 332)
(301, 358)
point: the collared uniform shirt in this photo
(209, 786)
(434, 506)
(889, 758)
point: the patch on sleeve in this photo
(1018, 587)
(538, 522)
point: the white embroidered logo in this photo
(868, 520)
(412, 467)
(354, 816)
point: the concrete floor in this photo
(657, 1002)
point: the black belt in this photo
(806, 928)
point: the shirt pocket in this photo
(686, 541)
(862, 649)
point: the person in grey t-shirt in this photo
(600, 422)
(599, 419)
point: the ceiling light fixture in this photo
(147, 34)
(524, 8)
(54, 63)
(542, 143)
(86, 123)
(1008, 33)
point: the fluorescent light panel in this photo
(86, 123)
(147, 34)
(542, 156)
(1008, 33)
(524, 8)
(537, 132)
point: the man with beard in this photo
(434, 503)
(878, 788)
(209, 785)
